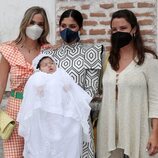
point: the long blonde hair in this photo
(28, 16)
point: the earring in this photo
(134, 35)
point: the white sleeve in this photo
(152, 79)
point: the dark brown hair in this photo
(39, 63)
(75, 14)
(137, 40)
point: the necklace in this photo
(29, 49)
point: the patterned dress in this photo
(20, 71)
(83, 64)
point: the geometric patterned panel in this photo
(93, 57)
(88, 150)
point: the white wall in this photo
(12, 12)
(157, 26)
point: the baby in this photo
(54, 112)
(45, 64)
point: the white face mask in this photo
(34, 31)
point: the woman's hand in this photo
(152, 146)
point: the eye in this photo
(32, 22)
(41, 24)
(63, 25)
(72, 26)
(123, 28)
(113, 30)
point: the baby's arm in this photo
(66, 80)
(40, 91)
(38, 83)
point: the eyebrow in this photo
(37, 22)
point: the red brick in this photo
(68, 7)
(88, 41)
(105, 23)
(90, 23)
(101, 40)
(85, 7)
(97, 32)
(146, 14)
(147, 32)
(149, 40)
(125, 5)
(107, 6)
(97, 15)
(83, 32)
(85, 16)
(145, 5)
(108, 40)
(109, 31)
(146, 22)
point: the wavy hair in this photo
(28, 16)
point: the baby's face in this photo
(47, 65)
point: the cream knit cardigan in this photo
(137, 103)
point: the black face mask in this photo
(121, 39)
(69, 36)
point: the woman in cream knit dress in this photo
(128, 120)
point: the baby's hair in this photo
(38, 65)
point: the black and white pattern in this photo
(83, 64)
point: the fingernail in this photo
(146, 149)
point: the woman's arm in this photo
(152, 145)
(152, 83)
(4, 72)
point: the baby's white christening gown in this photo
(53, 116)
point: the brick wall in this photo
(97, 15)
